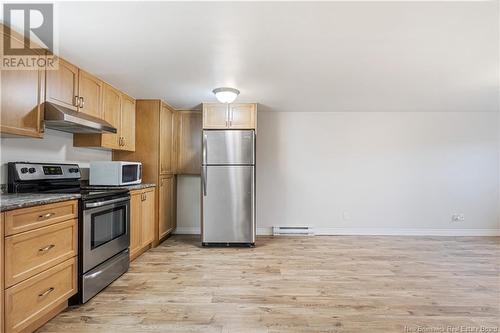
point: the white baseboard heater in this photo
(293, 231)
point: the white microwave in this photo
(115, 173)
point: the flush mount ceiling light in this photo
(225, 94)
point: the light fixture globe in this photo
(225, 94)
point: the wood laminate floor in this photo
(302, 284)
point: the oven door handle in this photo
(107, 202)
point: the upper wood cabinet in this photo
(22, 95)
(112, 102)
(119, 111)
(189, 142)
(62, 85)
(166, 142)
(127, 123)
(90, 90)
(230, 116)
(215, 115)
(243, 116)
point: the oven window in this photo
(107, 225)
(129, 173)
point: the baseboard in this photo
(266, 231)
(394, 232)
(187, 231)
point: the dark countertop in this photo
(127, 187)
(10, 201)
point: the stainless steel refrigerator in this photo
(228, 187)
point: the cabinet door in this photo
(165, 211)
(215, 115)
(166, 121)
(189, 143)
(243, 116)
(90, 89)
(135, 221)
(112, 114)
(62, 85)
(2, 284)
(148, 218)
(127, 128)
(21, 95)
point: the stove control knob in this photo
(73, 170)
(24, 170)
(32, 170)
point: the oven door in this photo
(106, 226)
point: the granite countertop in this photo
(127, 187)
(10, 201)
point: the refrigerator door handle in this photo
(204, 180)
(204, 175)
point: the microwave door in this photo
(130, 174)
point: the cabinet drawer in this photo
(28, 301)
(32, 252)
(25, 219)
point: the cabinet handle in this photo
(46, 248)
(123, 141)
(46, 292)
(46, 216)
(77, 101)
(82, 102)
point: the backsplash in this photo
(56, 147)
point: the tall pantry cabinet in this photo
(155, 142)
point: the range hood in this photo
(64, 119)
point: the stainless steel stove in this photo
(104, 221)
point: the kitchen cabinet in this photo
(112, 102)
(127, 123)
(243, 116)
(229, 116)
(166, 210)
(142, 220)
(22, 96)
(154, 148)
(166, 143)
(215, 115)
(189, 142)
(38, 268)
(62, 85)
(119, 111)
(2, 283)
(90, 90)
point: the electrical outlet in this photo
(458, 217)
(346, 216)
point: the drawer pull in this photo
(46, 248)
(46, 292)
(46, 216)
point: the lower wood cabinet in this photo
(142, 221)
(29, 301)
(166, 220)
(38, 264)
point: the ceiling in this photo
(292, 56)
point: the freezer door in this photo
(228, 210)
(228, 147)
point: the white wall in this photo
(391, 172)
(56, 146)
